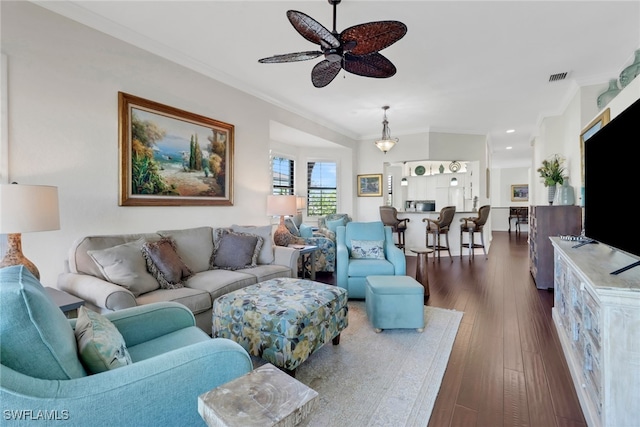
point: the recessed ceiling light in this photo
(509, 148)
(511, 131)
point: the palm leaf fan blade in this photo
(373, 65)
(373, 36)
(324, 72)
(312, 30)
(290, 57)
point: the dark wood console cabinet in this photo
(544, 222)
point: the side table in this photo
(422, 275)
(68, 303)
(310, 251)
(264, 397)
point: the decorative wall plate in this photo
(420, 170)
(454, 166)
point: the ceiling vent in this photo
(557, 77)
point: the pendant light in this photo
(386, 143)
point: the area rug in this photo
(390, 378)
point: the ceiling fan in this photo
(355, 49)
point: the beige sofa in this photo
(110, 272)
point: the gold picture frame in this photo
(171, 157)
(520, 193)
(370, 185)
(593, 127)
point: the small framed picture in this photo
(370, 185)
(520, 193)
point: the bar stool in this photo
(389, 216)
(422, 275)
(472, 226)
(438, 227)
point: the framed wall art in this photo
(170, 157)
(520, 193)
(593, 127)
(370, 185)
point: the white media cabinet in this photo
(597, 316)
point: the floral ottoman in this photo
(282, 320)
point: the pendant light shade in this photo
(386, 143)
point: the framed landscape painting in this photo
(370, 185)
(520, 193)
(170, 157)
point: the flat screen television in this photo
(612, 184)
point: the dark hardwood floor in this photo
(506, 367)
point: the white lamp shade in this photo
(27, 208)
(281, 205)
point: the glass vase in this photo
(552, 193)
(630, 73)
(606, 96)
(565, 196)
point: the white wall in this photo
(63, 81)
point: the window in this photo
(390, 190)
(282, 176)
(322, 191)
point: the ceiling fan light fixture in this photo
(386, 143)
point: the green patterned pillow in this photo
(367, 249)
(100, 344)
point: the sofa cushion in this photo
(235, 251)
(220, 282)
(193, 245)
(165, 264)
(306, 231)
(100, 344)
(125, 265)
(367, 249)
(37, 338)
(266, 253)
(196, 300)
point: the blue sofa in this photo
(43, 380)
(351, 272)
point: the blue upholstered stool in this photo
(394, 302)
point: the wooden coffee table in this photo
(264, 397)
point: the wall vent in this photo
(558, 76)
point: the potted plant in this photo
(552, 173)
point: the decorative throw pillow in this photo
(333, 225)
(164, 264)
(100, 344)
(291, 226)
(266, 253)
(124, 265)
(367, 249)
(306, 231)
(235, 251)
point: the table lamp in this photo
(301, 204)
(23, 209)
(281, 205)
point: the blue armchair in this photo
(325, 258)
(365, 249)
(42, 377)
